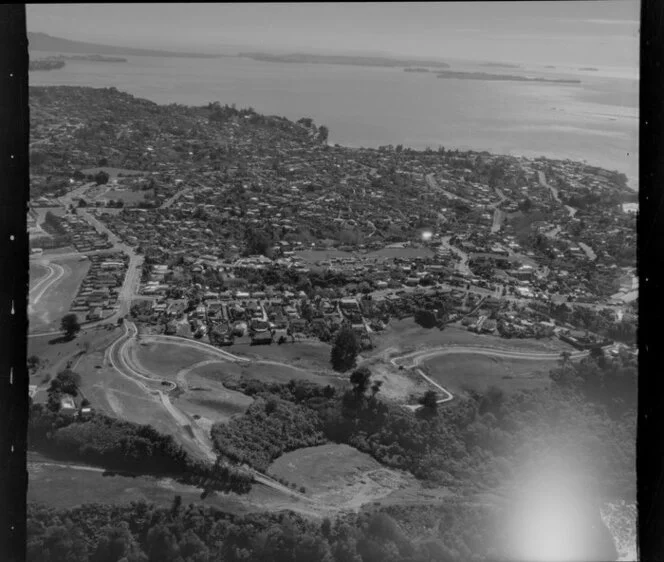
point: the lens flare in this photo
(427, 235)
(550, 520)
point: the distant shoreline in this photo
(454, 74)
(343, 60)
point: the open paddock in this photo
(121, 397)
(113, 172)
(66, 486)
(48, 307)
(460, 371)
(312, 256)
(340, 475)
(402, 253)
(207, 399)
(307, 355)
(53, 353)
(128, 196)
(38, 272)
(167, 359)
(265, 372)
(407, 335)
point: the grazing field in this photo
(458, 372)
(339, 475)
(406, 334)
(46, 312)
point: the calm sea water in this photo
(596, 121)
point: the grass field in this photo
(339, 475)
(37, 273)
(129, 196)
(312, 256)
(54, 303)
(263, 372)
(66, 487)
(458, 372)
(53, 353)
(113, 172)
(165, 359)
(390, 253)
(407, 334)
(307, 355)
(119, 396)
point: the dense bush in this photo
(123, 446)
(454, 530)
(270, 427)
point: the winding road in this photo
(413, 359)
(119, 358)
(55, 273)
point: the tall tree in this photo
(70, 325)
(345, 350)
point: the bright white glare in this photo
(426, 236)
(547, 521)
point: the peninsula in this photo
(46, 64)
(93, 58)
(500, 65)
(341, 59)
(503, 77)
(48, 43)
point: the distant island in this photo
(502, 77)
(589, 68)
(341, 59)
(48, 43)
(94, 58)
(46, 64)
(415, 69)
(500, 65)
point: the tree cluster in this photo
(123, 446)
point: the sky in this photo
(596, 33)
